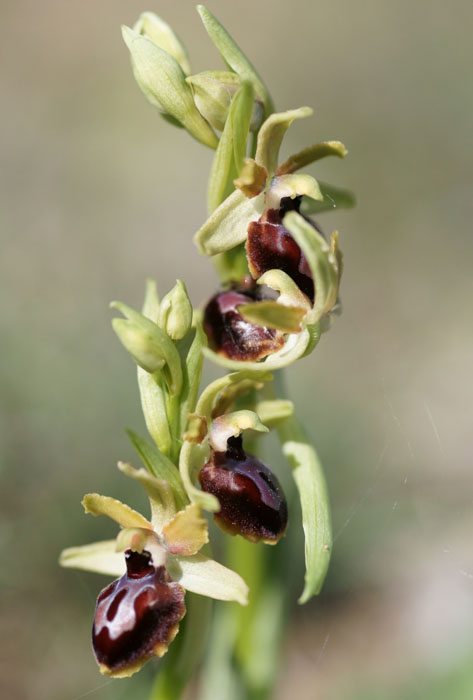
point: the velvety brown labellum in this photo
(227, 331)
(136, 616)
(252, 502)
(270, 246)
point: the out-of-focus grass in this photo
(99, 193)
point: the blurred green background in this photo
(98, 193)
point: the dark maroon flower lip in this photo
(136, 617)
(227, 331)
(270, 246)
(252, 502)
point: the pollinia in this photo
(279, 277)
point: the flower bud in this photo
(161, 34)
(227, 331)
(175, 312)
(213, 91)
(137, 616)
(252, 502)
(140, 344)
(270, 246)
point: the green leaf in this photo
(192, 372)
(234, 56)
(160, 466)
(231, 149)
(99, 557)
(163, 82)
(272, 314)
(334, 198)
(271, 135)
(227, 226)
(205, 576)
(316, 520)
(154, 409)
(311, 154)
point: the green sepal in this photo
(334, 198)
(154, 409)
(310, 155)
(272, 314)
(99, 557)
(227, 226)
(213, 92)
(316, 520)
(159, 491)
(150, 25)
(271, 134)
(160, 467)
(228, 388)
(271, 412)
(191, 460)
(231, 149)
(322, 260)
(151, 348)
(150, 307)
(234, 56)
(163, 82)
(202, 575)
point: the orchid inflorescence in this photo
(280, 279)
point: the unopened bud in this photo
(161, 34)
(175, 312)
(213, 91)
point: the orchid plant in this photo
(279, 277)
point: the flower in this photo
(284, 250)
(252, 502)
(137, 616)
(229, 333)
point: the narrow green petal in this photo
(323, 263)
(234, 56)
(294, 347)
(160, 466)
(227, 226)
(187, 532)
(334, 198)
(272, 314)
(99, 557)
(316, 520)
(271, 135)
(205, 576)
(311, 154)
(125, 516)
(159, 492)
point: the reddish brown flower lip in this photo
(252, 502)
(136, 616)
(270, 246)
(227, 331)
